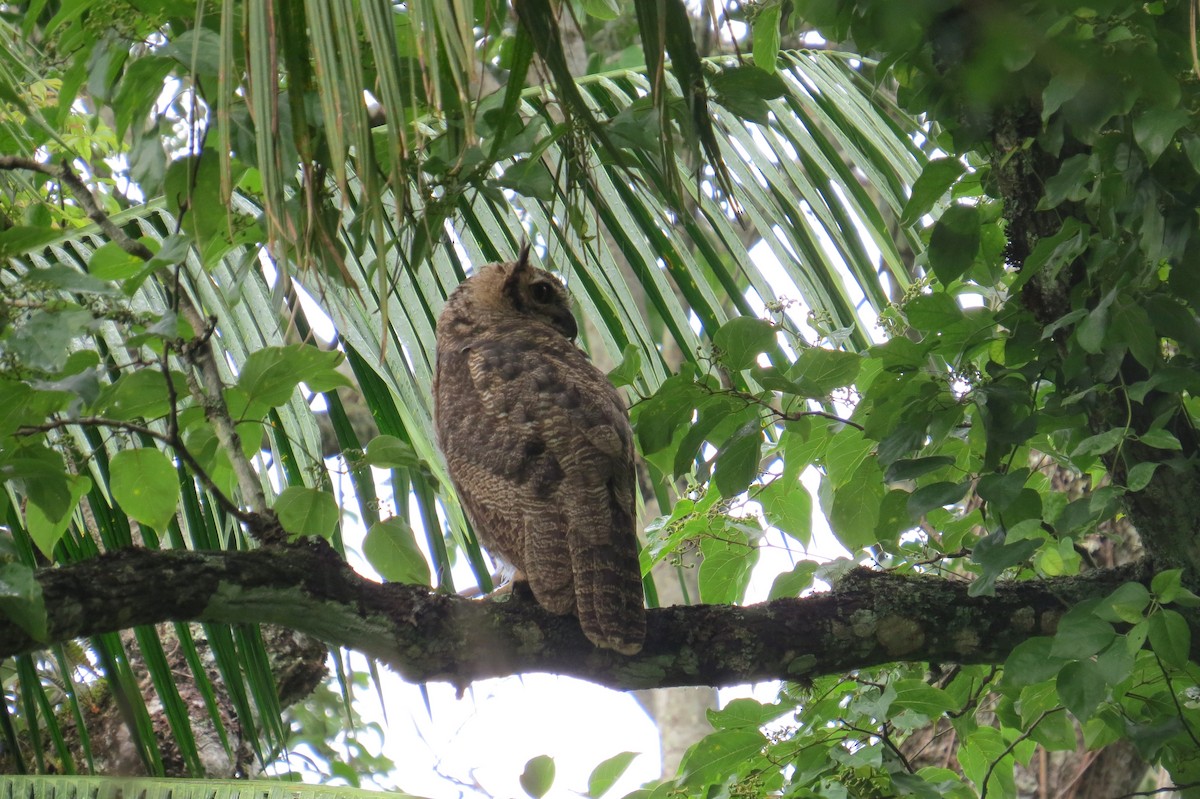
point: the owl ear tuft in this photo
(523, 257)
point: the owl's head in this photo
(518, 288)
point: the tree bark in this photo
(869, 618)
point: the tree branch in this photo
(870, 618)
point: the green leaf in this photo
(389, 452)
(307, 511)
(391, 549)
(1154, 129)
(47, 527)
(1140, 475)
(740, 341)
(818, 371)
(766, 36)
(1099, 443)
(270, 375)
(146, 484)
(538, 776)
(793, 583)
(1127, 603)
(737, 461)
(1082, 688)
(140, 395)
(1029, 663)
(1081, 634)
(918, 696)
(855, 510)
(602, 9)
(43, 341)
(787, 505)
(1160, 439)
(954, 242)
(21, 599)
(529, 177)
(995, 555)
(911, 469)
(725, 570)
(1170, 637)
(110, 262)
(742, 713)
(936, 495)
(713, 758)
(933, 312)
(630, 367)
(1131, 326)
(1166, 585)
(605, 775)
(936, 179)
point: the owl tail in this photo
(608, 596)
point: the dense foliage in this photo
(968, 316)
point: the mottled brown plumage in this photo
(540, 449)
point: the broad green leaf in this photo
(606, 774)
(1127, 603)
(793, 583)
(146, 484)
(43, 341)
(1155, 128)
(1166, 585)
(765, 36)
(787, 506)
(1170, 637)
(21, 599)
(936, 179)
(389, 452)
(307, 511)
(627, 371)
(954, 242)
(724, 570)
(140, 395)
(855, 510)
(110, 262)
(737, 461)
(1099, 443)
(935, 495)
(1082, 688)
(740, 341)
(1081, 634)
(391, 549)
(911, 469)
(1030, 662)
(995, 555)
(538, 776)
(818, 371)
(933, 312)
(918, 696)
(270, 375)
(45, 527)
(719, 755)
(1160, 439)
(844, 455)
(1140, 475)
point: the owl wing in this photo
(571, 474)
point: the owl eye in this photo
(542, 293)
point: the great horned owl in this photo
(540, 449)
